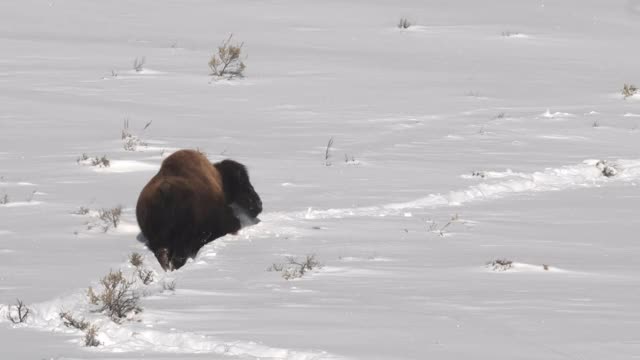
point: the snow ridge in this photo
(583, 175)
(134, 336)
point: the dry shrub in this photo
(327, 152)
(226, 62)
(91, 337)
(629, 90)
(117, 298)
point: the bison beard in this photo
(190, 202)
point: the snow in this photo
(484, 131)
(124, 166)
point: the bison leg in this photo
(222, 222)
(163, 257)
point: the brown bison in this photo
(190, 202)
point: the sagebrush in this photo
(110, 217)
(226, 61)
(117, 298)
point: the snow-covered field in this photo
(477, 134)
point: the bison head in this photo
(237, 187)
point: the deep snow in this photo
(472, 136)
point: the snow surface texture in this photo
(487, 133)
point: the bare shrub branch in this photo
(69, 321)
(327, 153)
(21, 313)
(138, 64)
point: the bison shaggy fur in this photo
(190, 202)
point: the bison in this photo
(190, 202)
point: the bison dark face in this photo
(237, 187)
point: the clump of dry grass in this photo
(82, 210)
(101, 162)
(110, 217)
(171, 286)
(434, 227)
(138, 64)
(404, 23)
(607, 169)
(294, 268)
(629, 90)
(145, 275)
(500, 264)
(130, 141)
(95, 161)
